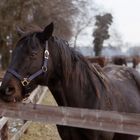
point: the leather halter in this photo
(26, 80)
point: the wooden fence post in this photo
(4, 132)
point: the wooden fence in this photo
(127, 123)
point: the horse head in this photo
(28, 64)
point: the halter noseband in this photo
(26, 80)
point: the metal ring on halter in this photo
(44, 68)
(46, 54)
(25, 82)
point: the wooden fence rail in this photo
(127, 123)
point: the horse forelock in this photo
(29, 34)
(29, 40)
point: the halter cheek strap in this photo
(26, 80)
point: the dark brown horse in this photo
(119, 60)
(41, 59)
(101, 60)
(135, 61)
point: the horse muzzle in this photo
(11, 89)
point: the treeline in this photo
(69, 16)
(22, 13)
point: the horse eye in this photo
(33, 54)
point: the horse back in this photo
(126, 86)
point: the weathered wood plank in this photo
(4, 132)
(3, 121)
(127, 123)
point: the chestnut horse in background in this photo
(42, 59)
(101, 60)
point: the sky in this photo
(126, 19)
(126, 14)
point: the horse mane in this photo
(77, 69)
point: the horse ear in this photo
(20, 31)
(48, 30)
(46, 33)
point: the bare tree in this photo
(101, 32)
(85, 18)
(81, 28)
(115, 38)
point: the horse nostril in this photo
(9, 90)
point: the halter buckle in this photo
(25, 82)
(44, 68)
(46, 54)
